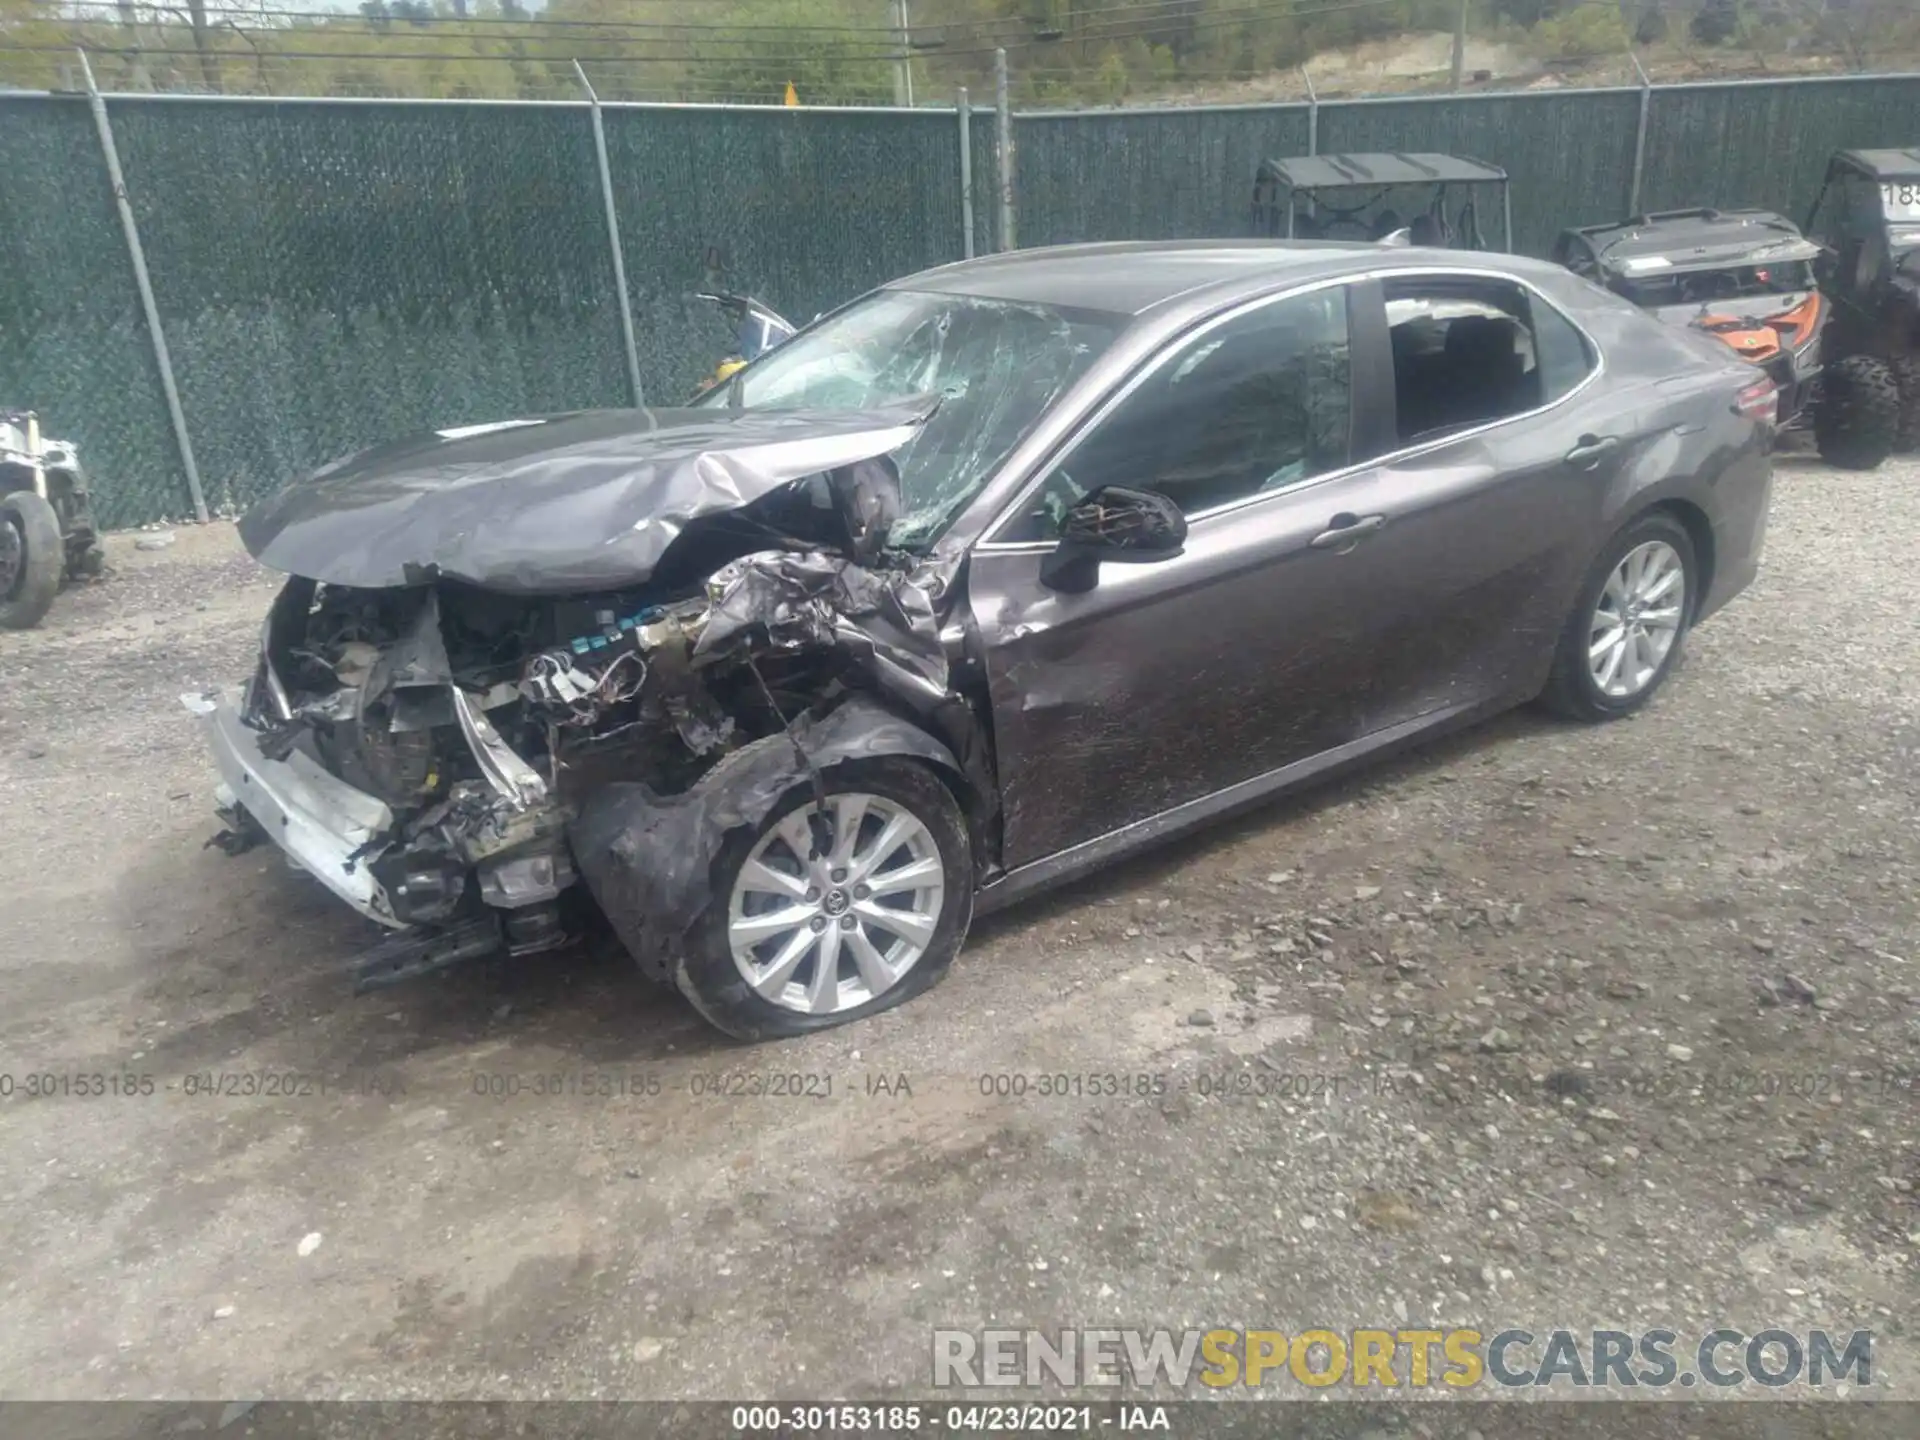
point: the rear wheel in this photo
(1625, 633)
(1906, 378)
(1858, 418)
(797, 941)
(32, 559)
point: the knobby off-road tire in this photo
(1857, 420)
(1906, 378)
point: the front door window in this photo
(1256, 404)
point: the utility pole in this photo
(903, 66)
(1459, 44)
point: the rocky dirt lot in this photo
(1539, 1026)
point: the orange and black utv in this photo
(1748, 278)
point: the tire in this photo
(1574, 690)
(1858, 419)
(1906, 378)
(37, 559)
(706, 971)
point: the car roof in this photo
(1319, 172)
(1882, 164)
(1130, 278)
(1691, 237)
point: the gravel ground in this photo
(1539, 1026)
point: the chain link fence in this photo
(332, 273)
(73, 345)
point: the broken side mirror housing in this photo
(1113, 523)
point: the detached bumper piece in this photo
(320, 821)
(413, 953)
(421, 888)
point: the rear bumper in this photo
(319, 821)
(1794, 372)
(1739, 528)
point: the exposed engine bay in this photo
(489, 722)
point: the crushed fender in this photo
(648, 858)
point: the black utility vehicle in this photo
(1749, 278)
(1431, 200)
(1867, 216)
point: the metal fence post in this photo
(613, 239)
(1003, 115)
(1313, 114)
(144, 283)
(1460, 46)
(1639, 136)
(966, 174)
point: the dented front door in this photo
(1168, 682)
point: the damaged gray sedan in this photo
(994, 575)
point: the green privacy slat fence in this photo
(1768, 145)
(1146, 175)
(1568, 155)
(73, 345)
(331, 274)
(808, 209)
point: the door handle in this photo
(1345, 531)
(1590, 449)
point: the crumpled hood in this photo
(577, 502)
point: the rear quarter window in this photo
(1637, 346)
(1561, 352)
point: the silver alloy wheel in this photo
(1637, 619)
(828, 932)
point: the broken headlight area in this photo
(483, 722)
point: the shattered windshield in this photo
(996, 365)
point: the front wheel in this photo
(1625, 633)
(824, 916)
(32, 559)
(1857, 421)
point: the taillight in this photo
(1758, 401)
(1797, 325)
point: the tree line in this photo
(841, 52)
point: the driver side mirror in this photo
(1117, 524)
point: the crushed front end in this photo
(424, 749)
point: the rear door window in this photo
(1473, 350)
